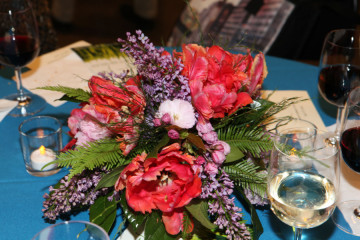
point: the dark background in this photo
(300, 39)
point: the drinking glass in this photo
(41, 143)
(80, 230)
(19, 45)
(350, 151)
(339, 68)
(303, 178)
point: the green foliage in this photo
(103, 212)
(246, 175)
(247, 139)
(135, 219)
(109, 180)
(199, 210)
(96, 154)
(155, 229)
(71, 94)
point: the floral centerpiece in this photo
(171, 144)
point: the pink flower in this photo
(87, 125)
(220, 82)
(123, 106)
(173, 134)
(166, 183)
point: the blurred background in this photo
(299, 36)
(104, 21)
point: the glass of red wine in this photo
(339, 68)
(350, 151)
(19, 45)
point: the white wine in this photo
(301, 199)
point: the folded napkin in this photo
(5, 107)
(61, 67)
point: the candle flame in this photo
(42, 150)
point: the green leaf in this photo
(196, 141)
(199, 210)
(155, 229)
(256, 224)
(104, 152)
(136, 219)
(164, 140)
(246, 175)
(71, 94)
(110, 179)
(234, 155)
(103, 212)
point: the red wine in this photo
(350, 148)
(17, 51)
(335, 82)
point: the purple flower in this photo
(77, 191)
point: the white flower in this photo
(181, 112)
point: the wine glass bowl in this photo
(303, 178)
(339, 68)
(349, 219)
(19, 45)
(350, 137)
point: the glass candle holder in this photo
(41, 142)
(80, 230)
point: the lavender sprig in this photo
(75, 192)
(227, 215)
(161, 74)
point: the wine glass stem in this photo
(339, 119)
(297, 234)
(22, 98)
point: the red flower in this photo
(221, 82)
(124, 107)
(166, 183)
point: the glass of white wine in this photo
(303, 177)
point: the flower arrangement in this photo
(171, 145)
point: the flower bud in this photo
(157, 122)
(166, 118)
(173, 134)
(211, 168)
(218, 157)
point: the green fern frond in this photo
(102, 153)
(71, 94)
(246, 175)
(251, 140)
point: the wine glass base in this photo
(345, 219)
(33, 105)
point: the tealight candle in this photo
(42, 156)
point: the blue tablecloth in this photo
(21, 194)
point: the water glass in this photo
(41, 142)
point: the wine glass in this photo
(303, 178)
(339, 68)
(19, 45)
(80, 230)
(349, 219)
